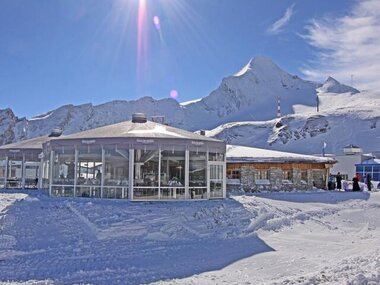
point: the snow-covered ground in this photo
(267, 238)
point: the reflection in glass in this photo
(116, 173)
(216, 181)
(14, 175)
(31, 174)
(2, 171)
(63, 172)
(146, 174)
(89, 173)
(198, 175)
(173, 174)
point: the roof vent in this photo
(56, 132)
(139, 118)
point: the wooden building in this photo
(254, 169)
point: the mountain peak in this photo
(260, 64)
(331, 80)
(332, 85)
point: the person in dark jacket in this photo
(368, 182)
(355, 184)
(338, 181)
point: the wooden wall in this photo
(284, 166)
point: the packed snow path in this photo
(284, 238)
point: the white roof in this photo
(236, 153)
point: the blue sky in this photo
(85, 51)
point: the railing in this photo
(145, 193)
(115, 192)
(198, 192)
(90, 191)
(14, 183)
(172, 193)
(62, 190)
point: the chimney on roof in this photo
(139, 118)
(56, 132)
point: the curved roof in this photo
(236, 153)
(372, 161)
(128, 129)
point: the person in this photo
(338, 181)
(98, 175)
(368, 182)
(355, 184)
(71, 170)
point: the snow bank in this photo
(316, 237)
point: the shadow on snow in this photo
(315, 197)
(48, 241)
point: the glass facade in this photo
(173, 171)
(32, 169)
(198, 175)
(373, 170)
(116, 172)
(216, 181)
(2, 171)
(159, 172)
(134, 160)
(14, 171)
(63, 172)
(89, 172)
(146, 174)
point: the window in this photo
(146, 174)
(261, 174)
(198, 175)
(172, 174)
(216, 181)
(287, 175)
(304, 175)
(215, 156)
(116, 172)
(233, 174)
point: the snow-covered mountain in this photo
(248, 97)
(250, 94)
(343, 119)
(331, 85)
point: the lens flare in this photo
(156, 22)
(174, 94)
(141, 33)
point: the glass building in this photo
(21, 164)
(137, 160)
(371, 167)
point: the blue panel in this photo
(376, 168)
(359, 168)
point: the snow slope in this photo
(274, 238)
(342, 119)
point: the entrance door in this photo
(216, 179)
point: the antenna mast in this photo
(278, 107)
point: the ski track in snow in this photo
(268, 238)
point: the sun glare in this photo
(142, 23)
